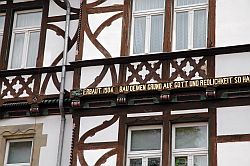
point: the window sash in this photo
(192, 42)
(7, 152)
(26, 59)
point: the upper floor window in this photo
(144, 146)
(18, 152)
(190, 27)
(2, 21)
(147, 26)
(190, 144)
(25, 39)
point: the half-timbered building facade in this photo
(139, 82)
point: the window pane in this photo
(135, 162)
(191, 137)
(190, 2)
(200, 28)
(181, 30)
(154, 161)
(156, 33)
(139, 35)
(148, 4)
(146, 140)
(181, 161)
(29, 19)
(17, 51)
(19, 152)
(33, 49)
(1, 38)
(2, 20)
(200, 160)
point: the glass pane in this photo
(181, 161)
(1, 38)
(146, 140)
(29, 19)
(200, 160)
(17, 51)
(156, 33)
(200, 28)
(2, 20)
(135, 162)
(148, 4)
(191, 137)
(33, 49)
(139, 35)
(181, 30)
(190, 2)
(154, 161)
(19, 152)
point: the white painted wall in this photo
(51, 127)
(232, 64)
(233, 120)
(232, 22)
(233, 154)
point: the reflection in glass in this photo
(191, 137)
(146, 140)
(181, 161)
(154, 161)
(19, 152)
(200, 160)
(135, 162)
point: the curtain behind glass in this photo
(33, 49)
(190, 2)
(1, 38)
(2, 20)
(200, 160)
(148, 4)
(29, 19)
(19, 152)
(181, 30)
(200, 28)
(16, 61)
(156, 33)
(139, 35)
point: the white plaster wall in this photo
(51, 127)
(233, 154)
(232, 22)
(108, 134)
(232, 64)
(55, 10)
(233, 120)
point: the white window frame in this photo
(147, 14)
(1, 30)
(26, 31)
(144, 155)
(7, 152)
(190, 9)
(188, 152)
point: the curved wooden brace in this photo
(104, 158)
(63, 6)
(99, 78)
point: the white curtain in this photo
(29, 19)
(200, 29)
(181, 30)
(200, 160)
(2, 18)
(190, 2)
(156, 39)
(148, 4)
(139, 35)
(19, 152)
(16, 61)
(33, 49)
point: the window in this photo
(18, 152)
(2, 20)
(25, 39)
(147, 26)
(190, 29)
(144, 146)
(190, 144)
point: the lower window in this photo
(18, 152)
(190, 144)
(144, 147)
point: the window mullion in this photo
(191, 28)
(147, 35)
